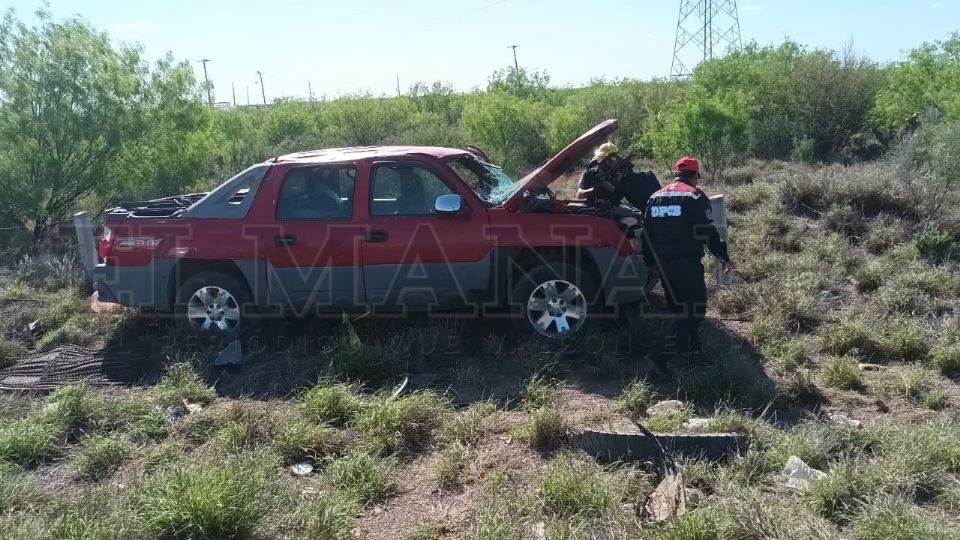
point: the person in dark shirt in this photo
(610, 178)
(678, 222)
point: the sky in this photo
(365, 45)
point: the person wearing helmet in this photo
(677, 223)
(610, 178)
(598, 182)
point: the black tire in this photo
(530, 280)
(614, 447)
(214, 280)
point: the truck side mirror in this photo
(450, 203)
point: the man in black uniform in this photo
(610, 178)
(677, 223)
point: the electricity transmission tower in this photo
(704, 27)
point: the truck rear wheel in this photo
(211, 302)
(554, 301)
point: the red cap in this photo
(688, 163)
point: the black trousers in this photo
(686, 292)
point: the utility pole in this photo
(309, 92)
(398, 85)
(206, 80)
(516, 65)
(248, 95)
(233, 90)
(263, 90)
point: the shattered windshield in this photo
(489, 182)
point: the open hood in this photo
(551, 169)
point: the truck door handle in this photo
(377, 236)
(285, 240)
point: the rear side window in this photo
(317, 193)
(405, 190)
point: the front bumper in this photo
(622, 277)
(145, 287)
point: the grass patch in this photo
(905, 341)
(843, 372)
(849, 336)
(29, 440)
(635, 399)
(300, 441)
(331, 516)
(537, 393)
(572, 487)
(210, 499)
(468, 426)
(390, 424)
(946, 359)
(669, 422)
(453, 462)
(911, 383)
(892, 518)
(336, 403)
(365, 477)
(18, 489)
(181, 384)
(99, 455)
(544, 429)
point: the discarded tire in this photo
(607, 446)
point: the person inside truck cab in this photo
(312, 194)
(412, 200)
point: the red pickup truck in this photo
(374, 229)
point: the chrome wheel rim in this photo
(557, 308)
(213, 307)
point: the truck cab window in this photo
(405, 190)
(317, 193)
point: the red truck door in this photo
(414, 256)
(315, 254)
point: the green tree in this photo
(713, 129)
(70, 101)
(508, 127)
(928, 79)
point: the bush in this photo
(934, 247)
(179, 384)
(868, 278)
(365, 477)
(336, 403)
(884, 233)
(223, 499)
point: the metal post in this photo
(720, 221)
(86, 241)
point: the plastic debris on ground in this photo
(301, 469)
(798, 475)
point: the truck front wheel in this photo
(555, 301)
(211, 302)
